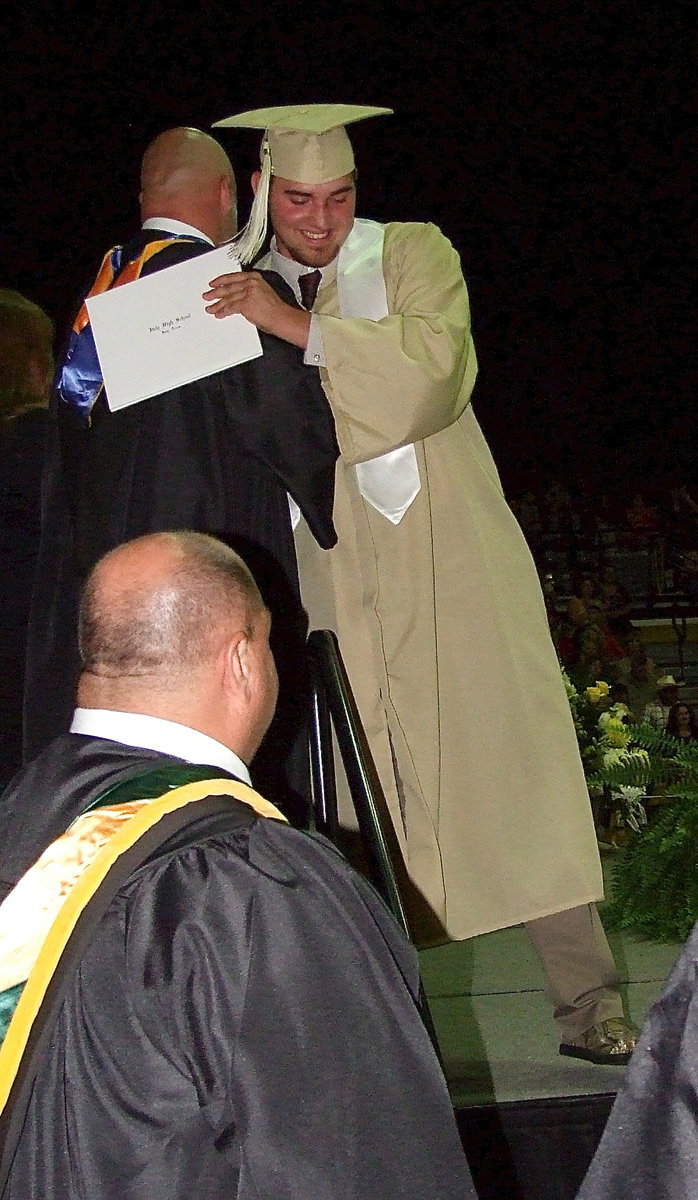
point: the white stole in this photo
(390, 482)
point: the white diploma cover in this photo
(154, 334)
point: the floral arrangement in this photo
(655, 881)
(606, 742)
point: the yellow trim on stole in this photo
(81, 893)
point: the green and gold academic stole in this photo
(132, 844)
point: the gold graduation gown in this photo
(441, 620)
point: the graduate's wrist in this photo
(293, 326)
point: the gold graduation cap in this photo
(306, 143)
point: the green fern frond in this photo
(655, 883)
(668, 763)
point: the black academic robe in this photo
(218, 456)
(242, 1024)
(649, 1149)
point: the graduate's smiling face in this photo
(311, 221)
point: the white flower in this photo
(627, 757)
(615, 755)
(639, 756)
(572, 693)
(629, 793)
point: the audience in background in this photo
(642, 518)
(616, 601)
(639, 673)
(585, 604)
(603, 561)
(619, 694)
(588, 645)
(528, 516)
(681, 722)
(657, 711)
(557, 506)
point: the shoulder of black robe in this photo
(244, 1024)
(46, 796)
(649, 1148)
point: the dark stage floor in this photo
(530, 1118)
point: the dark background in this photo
(549, 140)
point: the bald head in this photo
(186, 175)
(156, 606)
(173, 625)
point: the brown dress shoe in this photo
(609, 1044)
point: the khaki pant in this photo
(583, 984)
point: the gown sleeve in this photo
(409, 375)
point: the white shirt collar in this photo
(291, 271)
(170, 225)
(154, 733)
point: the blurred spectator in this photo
(604, 519)
(638, 672)
(26, 368)
(681, 722)
(528, 516)
(686, 573)
(657, 711)
(26, 355)
(557, 504)
(619, 694)
(597, 652)
(616, 601)
(591, 661)
(642, 519)
(585, 604)
(684, 508)
(682, 540)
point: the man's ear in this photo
(238, 663)
(256, 176)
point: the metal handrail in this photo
(334, 707)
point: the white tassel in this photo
(249, 240)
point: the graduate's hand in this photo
(248, 293)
